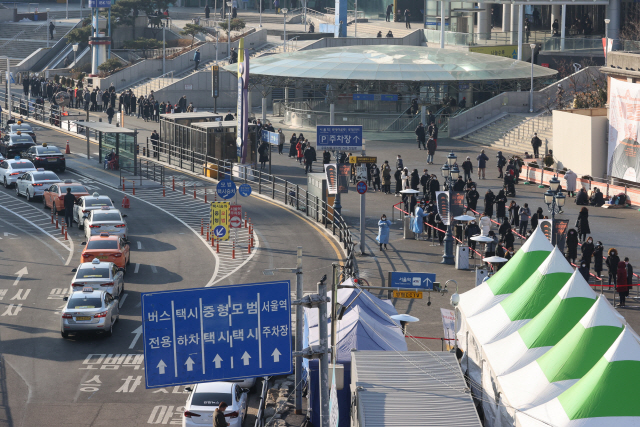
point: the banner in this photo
(604, 46)
(344, 170)
(220, 220)
(624, 128)
(560, 229)
(442, 201)
(331, 171)
(507, 51)
(449, 326)
(457, 203)
(547, 227)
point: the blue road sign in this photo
(423, 281)
(342, 138)
(361, 187)
(272, 138)
(226, 189)
(100, 3)
(216, 334)
(374, 97)
(244, 190)
(220, 231)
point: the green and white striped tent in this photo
(605, 396)
(544, 330)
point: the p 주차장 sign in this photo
(216, 334)
(339, 138)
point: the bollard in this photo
(249, 248)
(66, 237)
(205, 195)
(202, 227)
(194, 191)
(213, 241)
(245, 219)
(123, 184)
(184, 189)
(233, 253)
(57, 220)
(51, 216)
(134, 188)
(173, 178)
(62, 229)
(218, 246)
(207, 232)
(163, 195)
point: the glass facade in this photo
(121, 144)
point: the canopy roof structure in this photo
(390, 64)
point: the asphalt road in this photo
(94, 380)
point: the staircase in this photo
(492, 132)
(20, 39)
(371, 30)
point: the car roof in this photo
(91, 265)
(215, 387)
(100, 237)
(48, 146)
(11, 161)
(96, 293)
(22, 135)
(20, 124)
(95, 198)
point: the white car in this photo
(101, 276)
(89, 311)
(11, 169)
(86, 204)
(204, 398)
(33, 184)
(103, 220)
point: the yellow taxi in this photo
(107, 248)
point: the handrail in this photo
(527, 123)
(263, 399)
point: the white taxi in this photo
(33, 184)
(103, 220)
(89, 311)
(86, 204)
(99, 275)
(11, 169)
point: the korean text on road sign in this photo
(423, 281)
(407, 294)
(220, 217)
(226, 189)
(235, 215)
(216, 334)
(360, 159)
(342, 138)
(244, 190)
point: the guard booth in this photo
(219, 140)
(121, 141)
(317, 187)
(175, 128)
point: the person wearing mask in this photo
(421, 136)
(398, 177)
(514, 218)
(504, 227)
(482, 164)
(472, 199)
(489, 200)
(309, 158)
(597, 258)
(386, 177)
(588, 249)
(472, 230)
(292, 147)
(622, 287)
(572, 245)
(612, 264)
(417, 220)
(375, 177)
(459, 185)
(535, 218)
(281, 140)
(501, 205)
(300, 151)
(434, 185)
(405, 179)
(399, 163)
(69, 202)
(383, 232)
(510, 253)
(502, 161)
(583, 268)
(582, 223)
(414, 181)
(467, 168)
(424, 181)
(524, 213)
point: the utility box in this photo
(408, 234)
(339, 375)
(462, 257)
(481, 273)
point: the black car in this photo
(47, 157)
(15, 144)
(19, 127)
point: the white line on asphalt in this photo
(124, 297)
(153, 268)
(137, 267)
(139, 245)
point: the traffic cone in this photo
(68, 150)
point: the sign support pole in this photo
(362, 223)
(324, 359)
(299, 321)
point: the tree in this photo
(143, 45)
(192, 30)
(237, 24)
(110, 65)
(79, 35)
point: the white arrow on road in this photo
(20, 273)
(189, 364)
(245, 357)
(138, 332)
(217, 360)
(161, 367)
(276, 355)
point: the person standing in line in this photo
(612, 264)
(472, 230)
(292, 146)
(509, 239)
(281, 140)
(629, 268)
(459, 184)
(263, 151)
(535, 218)
(536, 143)
(414, 180)
(407, 18)
(467, 167)
(485, 224)
(326, 157)
(482, 164)
(489, 200)
(587, 249)
(69, 202)
(622, 286)
(375, 177)
(472, 199)
(386, 177)
(524, 213)
(572, 245)
(514, 218)
(424, 181)
(597, 258)
(421, 136)
(398, 177)
(417, 221)
(501, 205)
(583, 224)
(383, 232)
(570, 178)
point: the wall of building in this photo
(580, 141)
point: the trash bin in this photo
(481, 273)
(462, 257)
(408, 234)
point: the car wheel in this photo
(80, 225)
(28, 196)
(64, 334)
(129, 260)
(17, 190)
(110, 331)
(44, 202)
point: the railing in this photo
(351, 14)
(158, 83)
(261, 404)
(13, 39)
(524, 131)
(319, 16)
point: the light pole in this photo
(606, 40)
(455, 300)
(164, 48)
(554, 199)
(48, 32)
(229, 4)
(355, 22)
(450, 173)
(260, 1)
(533, 54)
(284, 13)
(75, 51)
(66, 10)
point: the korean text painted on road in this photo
(423, 281)
(216, 334)
(220, 216)
(343, 138)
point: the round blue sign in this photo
(244, 190)
(361, 187)
(219, 231)
(226, 189)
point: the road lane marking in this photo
(153, 268)
(124, 297)
(135, 270)
(139, 245)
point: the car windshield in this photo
(42, 176)
(74, 188)
(210, 399)
(23, 128)
(106, 216)
(84, 302)
(93, 273)
(22, 165)
(98, 203)
(20, 139)
(48, 150)
(102, 244)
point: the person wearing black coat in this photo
(509, 239)
(597, 258)
(414, 181)
(309, 158)
(472, 199)
(572, 245)
(514, 218)
(587, 251)
(504, 227)
(459, 184)
(583, 268)
(398, 177)
(612, 264)
(489, 200)
(583, 224)
(424, 181)
(535, 218)
(472, 230)
(434, 185)
(501, 201)
(292, 147)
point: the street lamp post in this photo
(337, 205)
(606, 40)
(533, 53)
(229, 4)
(49, 23)
(75, 51)
(554, 199)
(284, 13)
(450, 173)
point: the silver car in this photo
(105, 220)
(89, 311)
(33, 184)
(86, 204)
(11, 169)
(204, 398)
(101, 276)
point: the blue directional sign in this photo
(226, 189)
(272, 138)
(216, 334)
(423, 281)
(244, 190)
(374, 97)
(99, 3)
(342, 138)
(220, 231)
